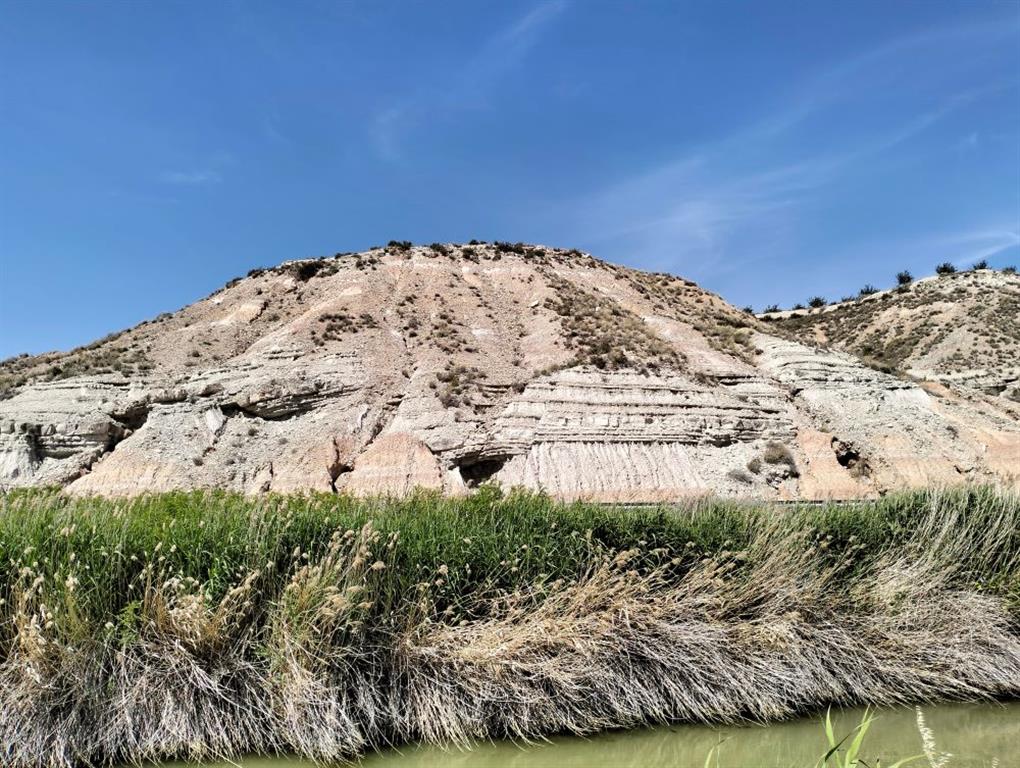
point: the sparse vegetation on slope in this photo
(333, 353)
(724, 327)
(108, 355)
(959, 322)
(207, 625)
(604, 334)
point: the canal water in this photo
(973, 735)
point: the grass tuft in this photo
(205, 625)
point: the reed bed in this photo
(207, 625)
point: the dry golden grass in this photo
(327, 645)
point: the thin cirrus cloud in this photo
(741, 199)
(877, 66)
(704, 207)
(982, 244)
(962, 248)
(190, 178)
(472, 84)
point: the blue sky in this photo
(770, 151)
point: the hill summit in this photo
(449, 365)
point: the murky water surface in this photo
(974, 734)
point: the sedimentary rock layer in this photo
(448, 366)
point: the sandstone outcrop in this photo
(448, 366)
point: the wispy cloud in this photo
(193, 178)
(962, 247)
(970, 141)
(272, 130)
(740, 199)
(471, 85)
(508, 47)
(690, 208)
(882, 65)
(982, 244)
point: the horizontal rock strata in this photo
(450, 366)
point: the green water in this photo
(975, 734)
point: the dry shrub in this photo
(345, 656)
(779, 454)
(763, 634)
(181, 685)
(327, 654)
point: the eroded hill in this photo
(449, 365)
(961, 329)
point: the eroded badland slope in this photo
(449, 365)
(961, 329)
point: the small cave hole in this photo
(850, 458)
(133, 418)
(476, 471)
(336, 469)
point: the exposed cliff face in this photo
(960, 329)
(446, 367)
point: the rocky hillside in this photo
(449, 365)
(960, 329)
